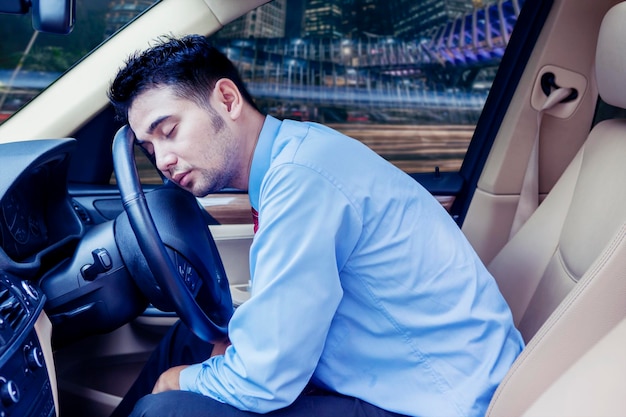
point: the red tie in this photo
(255, 218)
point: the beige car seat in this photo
(564, 272)
(593, 386)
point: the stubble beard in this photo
(225, 151)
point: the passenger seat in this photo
(564, 272)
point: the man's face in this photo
(191, 145)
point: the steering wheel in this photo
(177, 265)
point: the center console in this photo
(25, 386)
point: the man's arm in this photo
(307, 231)
(169, 380)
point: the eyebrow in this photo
(156, 123)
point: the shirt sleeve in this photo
(307, 230)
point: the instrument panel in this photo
(36, 214)
(23, 229)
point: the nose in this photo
(164, 159)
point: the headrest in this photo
(611, 57)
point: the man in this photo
(366, 297)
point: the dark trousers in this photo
(181, 347)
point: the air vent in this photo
(12, 311)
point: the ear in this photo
(228, 98)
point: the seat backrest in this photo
(599, 376)
(564, 272)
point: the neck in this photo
(252, 124)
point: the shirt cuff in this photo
(188, 377)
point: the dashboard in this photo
(57, 268)
(37, 225)
(36, 216)
(26, 388)
(23, 228)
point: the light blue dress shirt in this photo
(362, 283)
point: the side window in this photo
(407, 78)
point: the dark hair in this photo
(190, 65)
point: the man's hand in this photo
(168, 381)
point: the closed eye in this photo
(146, 147)
(171, 133)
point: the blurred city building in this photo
(364, 56)
(324, 18)
(123, 11)
(413, 18)
(267, 21)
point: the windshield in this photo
(30, 61)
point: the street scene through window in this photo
(408, 78)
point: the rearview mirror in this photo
(50, 16)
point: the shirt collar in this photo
(262, 158)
